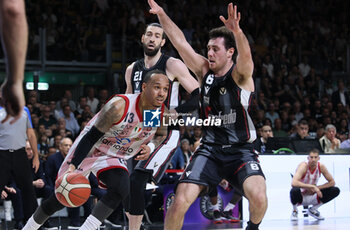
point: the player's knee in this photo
(336, 191)
(119, 189)
(295, 196)
(138, 180)
(13, 9)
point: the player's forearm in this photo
(242, 45)
(299, 184)
(327, 185)
(85, 145)
(14, 31)
(244, 63)
(175, 35)
(191, 104)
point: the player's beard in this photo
(150, 53)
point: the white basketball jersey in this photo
(311, 177)
(122, 141)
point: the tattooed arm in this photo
(111, 113)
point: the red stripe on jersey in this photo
(137, 108)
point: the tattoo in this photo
(110, 114)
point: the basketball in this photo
(72, 189)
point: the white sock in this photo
(31, 224)
(229, 207)
(295, 207)
(216, 206)
(91, 223)
(310, 199)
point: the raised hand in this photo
(12, 99)
(155, 8)
(232, 22)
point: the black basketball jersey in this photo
(223, 99)
(139, 70)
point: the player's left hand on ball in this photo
(144, 153)
(71, 168)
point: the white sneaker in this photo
(294, 215)
(315, 214)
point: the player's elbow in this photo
(13, 9)
(332, 183)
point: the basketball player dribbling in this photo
(113, 135)
(226, 151)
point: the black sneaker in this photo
(49, 226)
(18, 225)
(227, 215)
(315, 214)
(114, 223)
(217, 217)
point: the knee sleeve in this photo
(295, 196)
(117, 182)
(138, 181)
(329, 194)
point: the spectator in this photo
(260, 144)
(182, 155)
(302, 131)
(277, 130)
(329, 142)
(42, 189)
(271, 113)
(92, 101)
(47, 119)
(346, 143)
(68, 96)
(71, 122)
(341, 95)
(81, 105)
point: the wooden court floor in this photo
(302, 224)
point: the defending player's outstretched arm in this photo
(193, 61)
(110, 114)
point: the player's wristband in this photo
(151, 146)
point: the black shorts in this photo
(212, 163)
